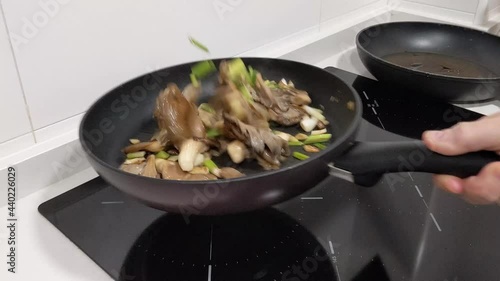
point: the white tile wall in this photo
(493, 4)
(494, 7)
(76, 50)
(14, 120)
(335, 8)
(468, 6)
(70, 52)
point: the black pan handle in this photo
(366, 163)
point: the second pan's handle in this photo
(366, 163)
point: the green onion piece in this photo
(206, 107)
(295, 143)
(318, 139)
(210, 165)
(271, 84)
(212, 133)
(253, 75)
(162, 155)
(320, 146)
(194, 81)
(246, 94)
(300, 156)
(237, 71)
(197, 44)
(134, 155)
(203, 69)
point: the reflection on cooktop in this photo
(264, 245)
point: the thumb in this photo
(483, 134)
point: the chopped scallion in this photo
(300, 156)
(253, 75)
(203, 69)
(237, 71)
(212, 133)
(246, 94)
(318, 139)
(206, 107)
(212, 167)
(320, 146)
(197, 44)
(162, 155)
(134, 155)
(194, 81)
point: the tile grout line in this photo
(18, 73)
(62, 120)
(14, 138)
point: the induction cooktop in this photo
(402, 229)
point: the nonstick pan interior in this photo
(442, 61)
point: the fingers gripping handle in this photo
(368, 162)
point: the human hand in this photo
(483, 134)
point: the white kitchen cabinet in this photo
(70, 52)
(14, 120)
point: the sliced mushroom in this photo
(283, 103)
(237, 151)
(200, 171)
(150, 168)
(192, 93)
(135, 169)
(261, 141)
(192, 177)
(230, 100)
(230, 173)
(172, 171)
(182, 125)
(151, 146)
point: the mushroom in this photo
(172, 171)
(181, 125)
(198, 177)
(230, 100)
(152, 146)
(237, 151)
(230, 173)
(268, 148)
(192, 93)
(150, 168)
(135, 169)
(283, 103)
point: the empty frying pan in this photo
(127, 112)
(442, 61)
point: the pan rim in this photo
(492, 80)
(346, 136)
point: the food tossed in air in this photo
(242, 119)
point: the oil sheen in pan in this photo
(440, 64)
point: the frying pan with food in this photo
(126, 112)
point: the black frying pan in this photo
(447, 62)
(126, 112)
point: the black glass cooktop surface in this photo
(401, 229)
